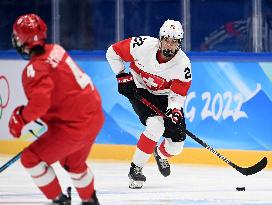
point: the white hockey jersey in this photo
(172, 78)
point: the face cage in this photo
(167, 52)
(20, 48)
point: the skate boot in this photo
(163, 164)
(136, 177)
(92, 201)
(64, 199)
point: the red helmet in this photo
(29, 30)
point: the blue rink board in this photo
(229, 105)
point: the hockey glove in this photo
(174, 123)
(175, 115)
(17, 122)
(126, 85)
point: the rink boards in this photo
(188, 156)
(228, 107)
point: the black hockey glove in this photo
(175, 115)
(126, 85)
(173, 123)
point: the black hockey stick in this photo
(17, 156)
(10, 162)
(243, 170)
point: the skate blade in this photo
(135, 184)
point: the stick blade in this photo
(253, 169)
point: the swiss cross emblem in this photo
(150, 82)
(172, 26)
(153, 82)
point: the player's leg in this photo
(148, 139)
(75, 163)
(42, 173)
(81, 175)
(170, 146)
(167, 149)
(145, 147)
(38, 157)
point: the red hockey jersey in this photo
(57, 89)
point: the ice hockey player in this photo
(63, 96)
(160, 72)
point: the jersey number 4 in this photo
(82, 78)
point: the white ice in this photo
(187, 184)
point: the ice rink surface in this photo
(187, 184)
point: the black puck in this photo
(240, 188)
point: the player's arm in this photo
(38, 88)
(176, 98)
(178, 92)
(117, 54)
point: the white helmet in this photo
(172, 29)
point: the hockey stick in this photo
(10, 162)
(243, 170)
(17, 156)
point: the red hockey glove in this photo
(175, 114)
(16, 122)
(126, 85)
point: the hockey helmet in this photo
(171, 29)
(28, 31)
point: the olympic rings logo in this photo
(4, 94)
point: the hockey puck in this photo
(240, 188)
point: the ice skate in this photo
(64, 199)
(92, 201)
(163, 164)
(136, 177)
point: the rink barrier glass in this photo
(208, 25)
